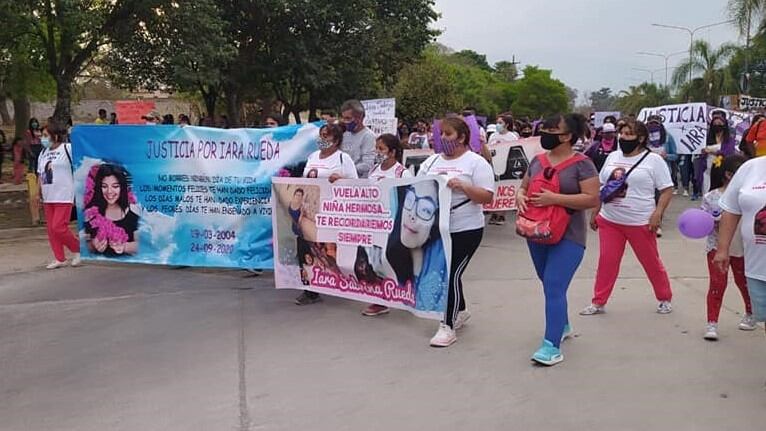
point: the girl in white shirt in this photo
(331, 163)
(472, 182)
(54, 168)
(388, 158)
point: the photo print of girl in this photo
(415, 250)
(110, 220)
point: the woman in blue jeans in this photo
(556, 264)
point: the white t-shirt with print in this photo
(635, 208)
(711, 205)
(55, 175)
(474, 170)
(395, 171)
(498, 138)
(746, 196)
(338, 163)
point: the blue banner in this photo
(173, 195)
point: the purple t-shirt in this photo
(569, 182)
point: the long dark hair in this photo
(399, 256)
(33, 120)
(726, 131)
(368, 275)
(98, 200)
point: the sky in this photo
(588, 44)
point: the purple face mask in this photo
(449, 146)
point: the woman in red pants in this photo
(54, 169)
(631, 216)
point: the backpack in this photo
(546, 225)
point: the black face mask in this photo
(549, 141)
(526, 134)
(628, 146)
(717, 128)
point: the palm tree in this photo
(745, 13)
(710, 64)
(642, 96)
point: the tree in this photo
(753, 60)
(747, 13)
(468, 57)
(710, 64)
(538, 94)
(165, 50)
(426, 89)
(642, 96)
(602, 100)
(506, 71)
(70, 34)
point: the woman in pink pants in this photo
(632, 217)
(54, 169)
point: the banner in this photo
(384, 242)
(175, 195)
(687, 123)
(747, 103)
(598, 117)
(510, 160)
(131, 111)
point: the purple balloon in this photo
(695, 223)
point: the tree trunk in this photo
(63, 111)
(5, 116)
(21, 114)
(210, 97)
(233, 106)
(312, 108)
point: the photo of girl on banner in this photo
(111, 220)
(380, 243)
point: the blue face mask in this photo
(46, 142)
(351, 126)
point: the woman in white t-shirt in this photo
(632, 216)
(745, 200)
(331, 163)
(388, 158)
(472, 182)
(54, 168)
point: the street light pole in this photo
(650, 72)
(666, 57)
(691, 43)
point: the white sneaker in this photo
(748, 323)
(665, 307)
(592, 309)
(675, 192)
(76, 261)
(686, 193)
(462, 319)
(711, 331)
(55, 265)
(444, 337)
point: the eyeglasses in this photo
(425, 207)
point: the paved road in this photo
(150, 348)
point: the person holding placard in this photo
(328, 161)
(472, 182)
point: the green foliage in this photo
(643, 96)
(506, 71)
(710, 65)
(538, 94)
(426, 89)
(470, 58)
(603, 100)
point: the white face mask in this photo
(151, 123)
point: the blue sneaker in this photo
(548, 354)
(567, 332)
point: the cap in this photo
(492, 128)
(608, 128)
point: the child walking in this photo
(718, 278)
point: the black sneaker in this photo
(308, 298)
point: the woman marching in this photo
(388, 164)
(57, 190)
(557, 263)
(328, 161)
(629, 214)
(472, 182)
